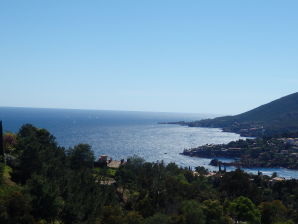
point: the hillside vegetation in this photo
(43, 183)
(276, 117)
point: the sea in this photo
(123, 134)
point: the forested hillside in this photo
(275, 117)
(45, 183)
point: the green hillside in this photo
(275, 117)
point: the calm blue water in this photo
(123, 134)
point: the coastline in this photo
(251, 166)
(250, 131)
(251, 153)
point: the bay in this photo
(122, 134)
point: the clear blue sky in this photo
(221, 57)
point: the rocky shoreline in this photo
(250, 153)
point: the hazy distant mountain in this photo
(275, 117)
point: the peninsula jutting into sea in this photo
(274, 126)
(275, 118)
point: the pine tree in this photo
(1, 141)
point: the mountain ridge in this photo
(276, 117)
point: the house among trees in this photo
(109, 162)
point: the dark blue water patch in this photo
(14, 117)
